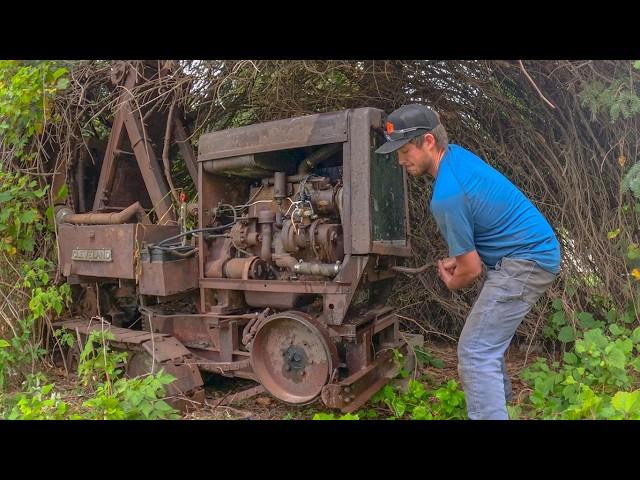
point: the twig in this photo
(424, 329)
(535, 86)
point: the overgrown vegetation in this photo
(577, 162)
(111, 396)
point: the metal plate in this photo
(92, 255)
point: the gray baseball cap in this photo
(405, 123)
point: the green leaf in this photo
(324, 416)
(421, 413)
(626, 402)
(62, 193)
(27, 244)
(28, 216)
(58, 73)
(566, 334)
(586, 320)
(633, 251)
(4, 343)
(616, 358)
(558, 318)
(570, 358)
(613, 234)
(399, 407)
(615, 329)
(636, 64)
(49, 214)
(5, 196)
(349, 416)
(437, 363)
(62, 83)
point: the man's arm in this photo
(468, 268)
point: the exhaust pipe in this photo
(66, 215)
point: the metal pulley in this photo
(293, 356)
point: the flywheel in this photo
(293, 357)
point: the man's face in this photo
(416, 160)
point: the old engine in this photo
(284, 278)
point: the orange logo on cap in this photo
(389, 128)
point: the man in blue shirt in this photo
(486, 220)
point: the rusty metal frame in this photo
(130, 120)
(213, 337)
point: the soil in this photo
(220, 391)
(265, 407)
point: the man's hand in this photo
(449, 264)
(461, 271)
(445, 273)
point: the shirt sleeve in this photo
(455, 222)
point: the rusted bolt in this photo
(347, 399)
(347, 389)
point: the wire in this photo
(235, 214)
(254, 203)
(255, 194)
(197, 230)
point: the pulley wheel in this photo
(293, 357)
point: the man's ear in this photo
(429, 140)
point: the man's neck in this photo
(433, 171)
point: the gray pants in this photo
(508, 294)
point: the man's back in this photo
(476, 207)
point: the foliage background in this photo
(565, 132)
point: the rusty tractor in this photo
(283, 279)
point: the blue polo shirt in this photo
(477, 208)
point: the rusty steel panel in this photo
(359, 186)
(296, 132)
(123, 335)
(121, 240)
(353, 392)
(165, 349)
(192, 330)
(134, 336)
(169, 278)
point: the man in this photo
(484, 218)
